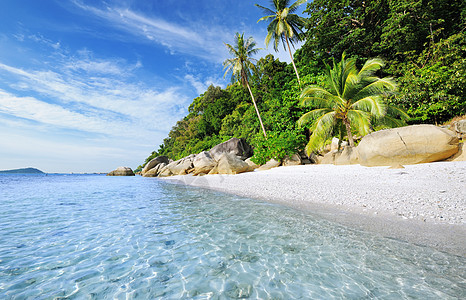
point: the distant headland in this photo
(23, 171)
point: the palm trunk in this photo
(348, 131)
(292, 61)
(255, 106)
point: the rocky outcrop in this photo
(180, 167)
(154, 163)
(203, 163)
(407, 145)
(273, 163)
(155, 171)
(460, 155)
(334, 144)
(348, 156)
(230, 164)
(252, 165)
(293, 160)
(121, 171)
(235, 146)
(460, 128)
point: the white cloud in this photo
(198, 40)
(102, 94)
(52, 114)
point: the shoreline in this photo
(423, 204)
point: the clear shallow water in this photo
(97, 237)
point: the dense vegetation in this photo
(423, 44)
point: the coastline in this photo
(424, 204)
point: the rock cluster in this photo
(392, 147)
(399, 146)
(225, 158)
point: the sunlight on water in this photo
(97, 237)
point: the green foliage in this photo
(434, 83)
(277, 145)
(422, 41)
(351, 97)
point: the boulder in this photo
(121, 171)
(348, 156)
(293, 160)
(273, 163)
(407, 145)
(327, 159)
(460, 155)
(334, 144)
(460, 128)
(203, 163)
(155, 171)
(154, 162)
(180, 167)
(229, 163)
(235, 146)
(252, 165)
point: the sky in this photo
(89, 85)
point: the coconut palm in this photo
(241, 65)
(285, 25)
(352, 100)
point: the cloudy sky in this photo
(90, 85)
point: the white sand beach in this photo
(423, 204)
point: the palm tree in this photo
(241, 65)
(353, 98)
(285, 25)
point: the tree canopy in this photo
(423, 44)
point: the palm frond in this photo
(360, 120)
(372, 104)
(322, 130)
(370, 66)
(266, 11)
(293, 7)
(312, 115)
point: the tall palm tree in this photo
(241, 65)
(352, 99)
(285, 25)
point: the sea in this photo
(98, 237)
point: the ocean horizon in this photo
(73, 236)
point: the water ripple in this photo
(98, 237)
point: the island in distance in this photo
(23, 171)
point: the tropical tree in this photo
(351, 100)
(241, 65)
(285, 26)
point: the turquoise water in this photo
(97, 237)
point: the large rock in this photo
(293, 160)
(229, 163)
(348, 156)
(460, 128)
(461, 155)
(155, 171)
(334, 144)
(273, 163)
(121, 171)
(154, 162)
(235, 146)
(407, 145)
(203, 163)
(252, 165)
(180, 167)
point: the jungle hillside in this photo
(421, 46)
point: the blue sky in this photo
(87, 86)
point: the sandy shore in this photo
(423, 204)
